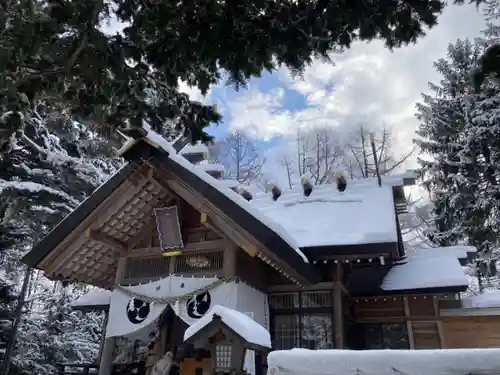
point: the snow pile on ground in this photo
(242, 324)
(384, 362)
(482, 301)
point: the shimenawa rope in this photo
(171, 300)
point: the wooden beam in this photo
(189, 247)
(295, 288)
(338, 316)
(396, 319)
(215, 219)
(229, 261)
(439, 322)
(106, 240)
(409, 327)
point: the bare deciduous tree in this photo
(320, 153)
(359, 160)
(287, 162)
(239, 156)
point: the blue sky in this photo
(367, 84)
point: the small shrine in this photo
(230, 337)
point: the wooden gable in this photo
(118, 221)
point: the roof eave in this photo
(420, 291)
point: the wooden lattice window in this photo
(302, 319)
(147, 268)
(199, 261)
(284, 301)
(321, 298)
(223, 357)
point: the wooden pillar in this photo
(106, 358)
(409, 327)
(338, 313)
(338, 316)
(439, 323)
(229, 263)
(104, 326)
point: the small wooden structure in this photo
(227, 347)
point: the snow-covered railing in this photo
(384, 362)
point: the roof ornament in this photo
(306, 185)
(341, 181)
(244, 193)
(276, 192)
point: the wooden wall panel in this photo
(421, 306)
(379, 308)
(251, 270)
(472, 332)
(426, 335)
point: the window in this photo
(302, 320)
(386, 336)
(316, 331)
(286, 329)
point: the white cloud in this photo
(368, 84)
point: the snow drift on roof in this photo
(420, 271)
(363, 213)
(243, 325)
(207, 166)
(461, 252)
(384, 362)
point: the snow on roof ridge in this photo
(210, 167)
(197, 148)
(242, 324)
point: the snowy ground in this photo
(384, 362)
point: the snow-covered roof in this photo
(482, 301)
(364, 213)
(240, 201)
(384, 362)
(197, 148)
(420, 271)
(96, 297)
(242, 324)
(460, 252)
(207, 166)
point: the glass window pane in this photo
(373, 336)
(386, 336)
(286, 331)
(317, 331)
(395, 336)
